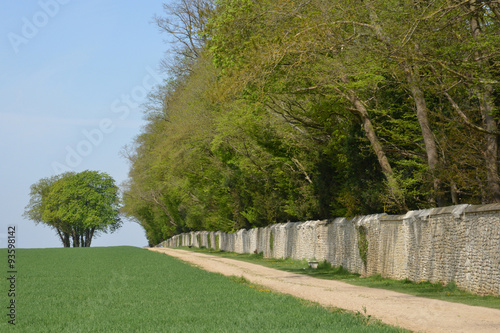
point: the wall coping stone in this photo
(457, 211)
(483, 208)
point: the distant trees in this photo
(76, 205)
(292, 110)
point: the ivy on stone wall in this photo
(271, 241)
(363, 244)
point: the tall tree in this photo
(256, 42)
(463, 57)
(396, 33)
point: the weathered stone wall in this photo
(458, 243)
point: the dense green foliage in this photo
(295, 110)
(126, 289)
(76, 205)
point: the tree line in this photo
(308, 109)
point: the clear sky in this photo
(72, 77)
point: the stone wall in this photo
(458, 243)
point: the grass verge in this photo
(449, 293)
(127, 289)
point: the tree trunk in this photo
(421, 106)
(454, 193)
(89, 233)
(64, 237)
(491, 151)
(66, 241)
(486, 107)
(394, 189)
(76, 239)
(413, 79)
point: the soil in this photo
(402, 310)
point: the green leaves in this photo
(76, 204)
(312, 109)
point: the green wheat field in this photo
(128, 289)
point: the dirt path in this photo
(410, 312)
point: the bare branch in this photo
(465, 119)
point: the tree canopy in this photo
(77, 205)
(292, 110)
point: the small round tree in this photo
(77, 205)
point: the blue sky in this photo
(73, 75)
